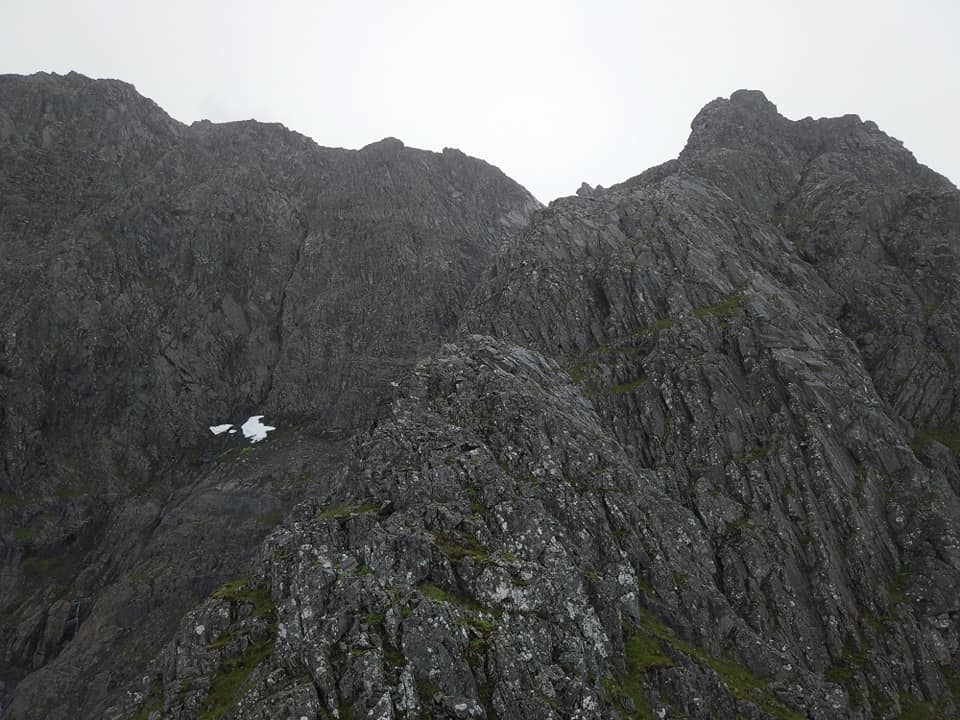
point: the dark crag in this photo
(156, 279)
(690, 450)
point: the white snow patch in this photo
(254, 430)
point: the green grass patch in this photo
(858, 485)
(744, 685)
(735, 530)
(913, 709)
(221, 643)
(343, 511)
(232, 675)
(230, 680)
(245, 592)
(482, 630)
(225, 455)
(644, 653)
(31, 531)
(755, 455)
(46, 568)
(583, 367)
(427, 690)
(478, 645)
(24, 534)
(741, 683)
(270, 519)
(153, 702)
(947, 435)
(584, 372)
(481, 625)
(629, 387)
(457, 547)
(898, 589)
(723, 310)
(852, 662)
(467, 605)
(646, 588)
(65, 491)
(393, 657)
(432, 592)
(9, 501)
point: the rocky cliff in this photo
(690, 453)
(157, 279)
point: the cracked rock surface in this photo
(690, 451)
(158, 278)
(707, 468)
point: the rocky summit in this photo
(684, 447)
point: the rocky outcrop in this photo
(489, 552)
(157, 279)
(770, 324)
(692, 452)
(166, 276)
(707, 469)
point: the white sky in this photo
(554, 92)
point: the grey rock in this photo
(156, 279)
(770, 324)
(691, 451)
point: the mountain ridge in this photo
(686, 448)
(160, 278)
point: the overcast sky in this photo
(554, 93)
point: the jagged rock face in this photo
(158, 278)
(770, 323)
(165, 277)
(730, 492)
(490, 552)
(89, 616)
(692, 455)
(878, 227)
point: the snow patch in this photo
(254, 430)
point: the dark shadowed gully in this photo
(681, 448)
